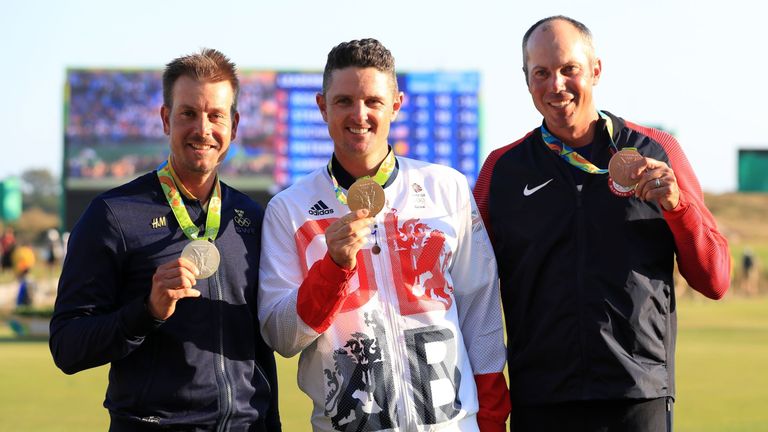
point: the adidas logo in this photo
(320, 209)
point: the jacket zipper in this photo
(393, 329)
(580, 259)
(221, 369)
(263, 376)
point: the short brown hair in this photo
(363, 53)
(207, 65)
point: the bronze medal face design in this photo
(620, 190)
(366, 194)
(622, 164)
(204, 255)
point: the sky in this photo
(694, 68)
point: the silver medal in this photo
(204, 256)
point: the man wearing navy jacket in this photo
(160, 277)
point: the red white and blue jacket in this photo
(409, 340)
(586, 275)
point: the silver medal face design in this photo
(204, 256)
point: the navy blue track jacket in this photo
(206, 367)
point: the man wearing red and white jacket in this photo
(396, 314)
(585, 260)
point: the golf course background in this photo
(722, 377)
(721, 358)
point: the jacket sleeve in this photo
(89, 326)
(482, 190)
(703, 256)
(296, 305)
(476, 290)
(483, 186)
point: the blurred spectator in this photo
(64, 242)
(7, 246)
(55, 249)
(23, 261)
(749, 273)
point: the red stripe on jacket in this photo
(483, 184)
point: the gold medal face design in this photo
(621, 166)
(204, 255)
(366, 194)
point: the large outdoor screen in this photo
(113, 132)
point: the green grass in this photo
(722, 365)
(722, 377)
(36, 396)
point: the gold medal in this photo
(204, 256)
(366, 194)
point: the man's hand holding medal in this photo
(346, 236)
(171, 282)
(648, 178)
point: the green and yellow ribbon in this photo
(166, 175)
(382, 175)
(570, 155)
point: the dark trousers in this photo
(630, 415)
(120, 424)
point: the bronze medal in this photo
(366, 194)
(204, 255)
(622, 165)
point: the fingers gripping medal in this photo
(365, 193)
(204, 256)
(620, 169)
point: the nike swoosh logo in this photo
(529, 192)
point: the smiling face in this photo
(562, 71)
(200, 125)
(359, 105)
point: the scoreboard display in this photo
(113, 132)
(438, 122)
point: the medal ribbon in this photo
(166, 176)
(571, 156)
(382, 175)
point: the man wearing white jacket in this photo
(394, 305)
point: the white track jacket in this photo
(407, 339)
